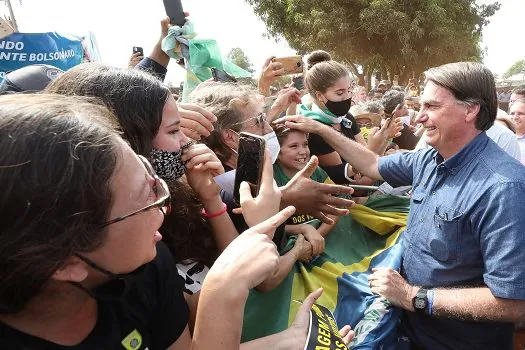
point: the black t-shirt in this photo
(319, 147)
(151, 315)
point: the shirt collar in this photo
(465, 155)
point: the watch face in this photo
(419, 303)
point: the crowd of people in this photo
(120, 228)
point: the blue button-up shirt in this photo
(466, 228)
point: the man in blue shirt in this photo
(463, 275)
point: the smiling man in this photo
(463, 266)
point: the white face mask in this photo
(272, 145)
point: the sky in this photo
(121, 24)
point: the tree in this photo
(517, 67)
(237, 56)
(403, 37)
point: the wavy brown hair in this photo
(137, 100)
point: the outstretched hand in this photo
(252, 257)
(267, 202)
(315, 198)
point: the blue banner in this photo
(22, 49)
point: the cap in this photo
(30, 78)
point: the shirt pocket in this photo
(443, 242)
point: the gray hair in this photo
(391, 99)
(471, 83)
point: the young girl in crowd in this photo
(82, 265)
(329, 86)
(293, 157)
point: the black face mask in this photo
(115, 289)
(339, 108)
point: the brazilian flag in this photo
(365, 239)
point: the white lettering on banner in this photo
(51, 56)
(10, 45)
(13, 56)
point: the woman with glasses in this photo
(82, 265)
(238, 108)
(148, 116)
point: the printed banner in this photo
(323, 333)
(22, 49)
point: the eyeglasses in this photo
(161, 190)
(260, 120)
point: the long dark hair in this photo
(56, 163)
(137, 100)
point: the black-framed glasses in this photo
(161, 190)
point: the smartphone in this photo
(222, 76)
(298, 82)
(175, 12)
(292, 64)
(138, 49)
(250, 163)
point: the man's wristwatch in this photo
(420, 301)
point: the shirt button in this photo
(433, 192)
(421, 220)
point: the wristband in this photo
(217, 213)
(430, 301)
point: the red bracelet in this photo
(214, 215)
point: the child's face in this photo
(294, 151)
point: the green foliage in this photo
(517, 67)
(237, 56)
(402, 37)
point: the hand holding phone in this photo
(139, 50)
(291, 65)
(249, 163)
(298, 82)
(267, 203)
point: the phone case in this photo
(249, 163)
(175, 12)
(292, 64)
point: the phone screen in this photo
(249, 163)
(298, 82)
(175, 12)
(222, 76)
(138, 49)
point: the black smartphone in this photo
(175, 12)
(250, 163)
(222, 76)
(298, 82)
(138, 49)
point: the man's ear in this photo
(230, 138)
(471, 113)
(73, 270)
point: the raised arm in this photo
(359, 157)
